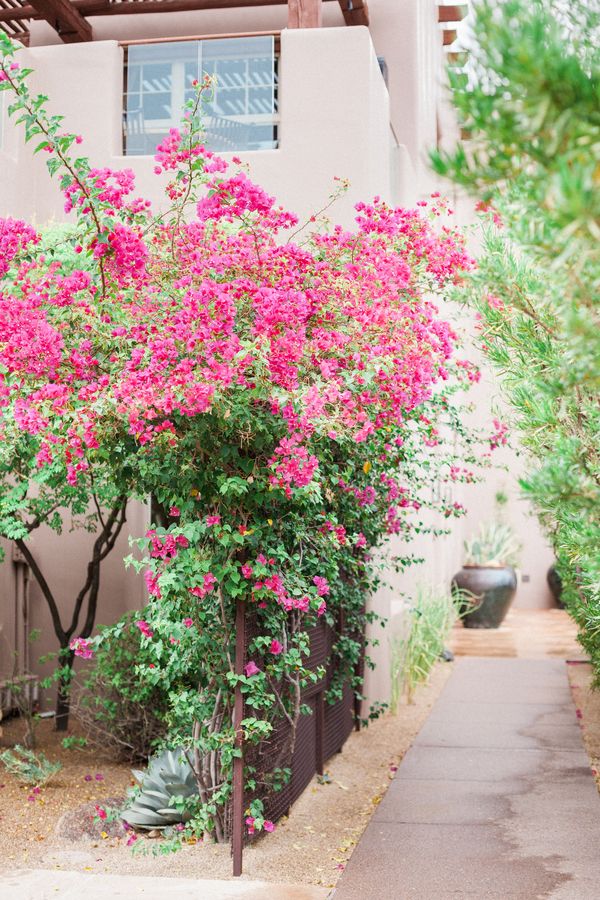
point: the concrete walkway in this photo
(495, 799)
(44, 884)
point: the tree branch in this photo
(45, 588)
(102, 547)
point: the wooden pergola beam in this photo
(454, 13)
(355, 12)
(67, 21)
(449, 35)
(305, 13)
(67, 17)
(131, 7)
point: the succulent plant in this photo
(168, 775)
(494, 545)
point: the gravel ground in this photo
(587, 704)
(310, 847)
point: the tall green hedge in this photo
(528, 101)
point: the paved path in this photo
(43, 884)
(495, 799)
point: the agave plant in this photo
(494, 545)
(168, 776)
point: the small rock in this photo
(78, 824)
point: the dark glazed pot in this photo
(494, 586)
(555, 584)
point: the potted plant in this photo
(487, 580)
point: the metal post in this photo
(237, 838)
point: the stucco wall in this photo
(334, 121)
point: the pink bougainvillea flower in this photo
(499, 436)
(213, 520)
(100, 812)
(205, 588)
(99, 776)
(87, 778)
(175, 512)
(250, 824)
(276, 648)
(322, 585)
(247, 570)
(322, 608)
(144, 628)
(188, 622)
(82, 647)
(251, 669)
(152, 583)
(269, 826)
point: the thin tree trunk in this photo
(87, 598)
(63, 694)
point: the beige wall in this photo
(63, 560)
(337, 118)
(321, 134)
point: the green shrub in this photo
(529, 103)
(121, 712)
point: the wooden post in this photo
(355, 12)
(65, 19)
(237, 837)
(305, 13)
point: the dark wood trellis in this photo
(319, 735)
(68, 17)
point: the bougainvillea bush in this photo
(530, 104)
(285, 393)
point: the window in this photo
(241, 113)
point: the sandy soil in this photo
(587, 704)
(311, 846)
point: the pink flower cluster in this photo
(145, 628)
(499, 436)
(15, 236)
(166, 547)
(82, 647)
(205, 588)
(267, 825)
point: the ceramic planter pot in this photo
(495, 586)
